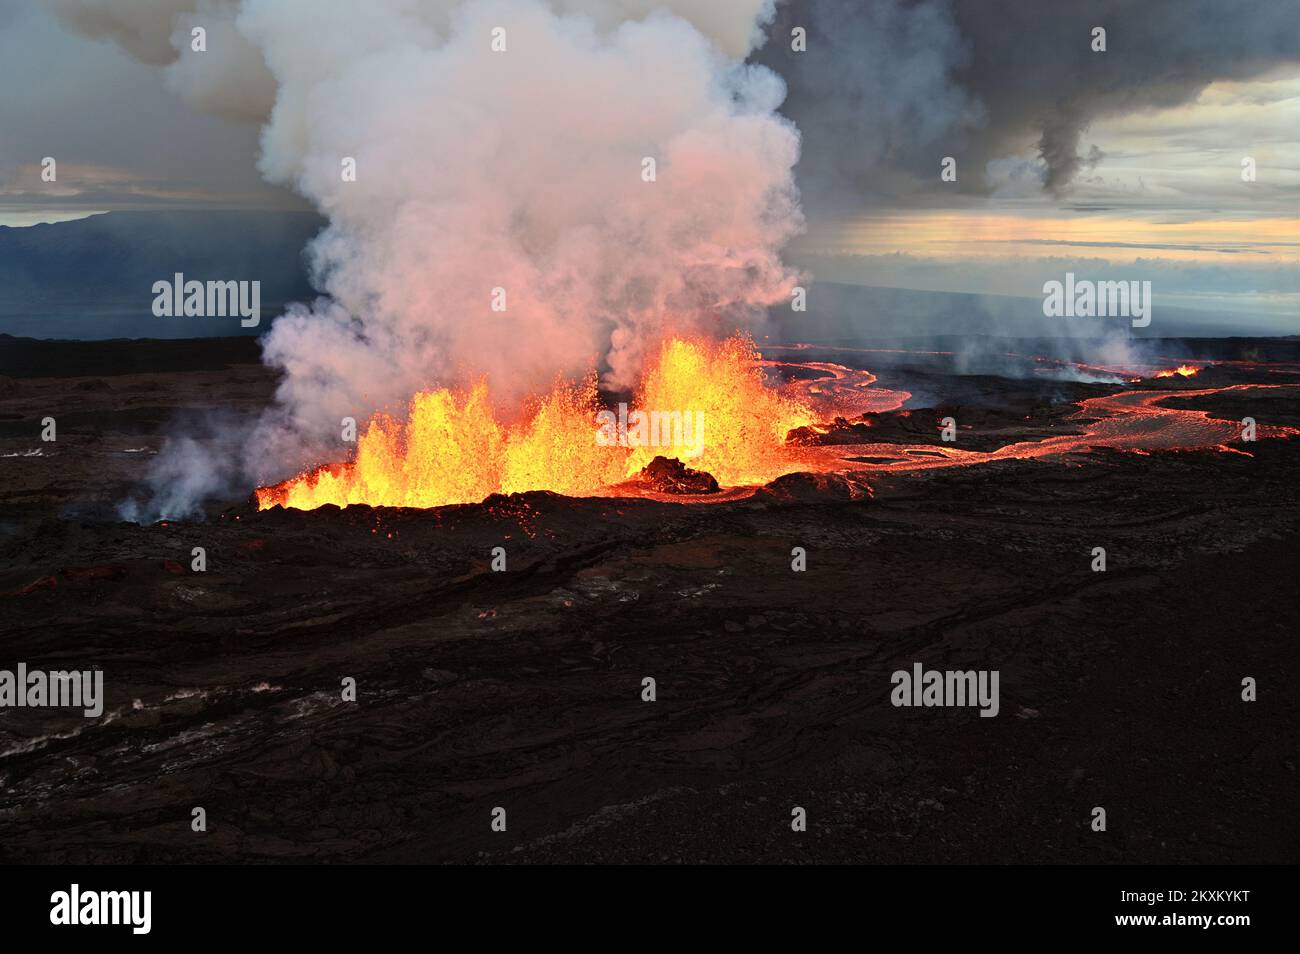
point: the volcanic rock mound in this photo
(815, 487)
(668, 475)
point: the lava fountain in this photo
(1183, 371)
(452, 447)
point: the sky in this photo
(1125, 163)
(1166, 204)
(121, 139)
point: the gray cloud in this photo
(888, 87)
(874, 94)
(120, 138)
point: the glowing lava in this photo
(746, 421)
(1132, 421)
(451, 448)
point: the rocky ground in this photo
(523, 689)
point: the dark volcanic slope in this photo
(522, 689)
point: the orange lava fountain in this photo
(1183, 370)
(452, 449)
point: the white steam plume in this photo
(478, 169)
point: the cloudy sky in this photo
(1166, 203)
(1120, 164)
(121, 139)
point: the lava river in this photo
(1135, 421)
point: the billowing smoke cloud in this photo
(520, 171)
(229, 80)
(888, 87)
(873, 94)
(236, 83)
(479, 170)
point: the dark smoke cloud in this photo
(889, 87)
(873, 94)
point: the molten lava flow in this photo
(843, 392)
(1132, 421)
(1183, 370)
(452, 449)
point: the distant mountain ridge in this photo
(93, 277)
